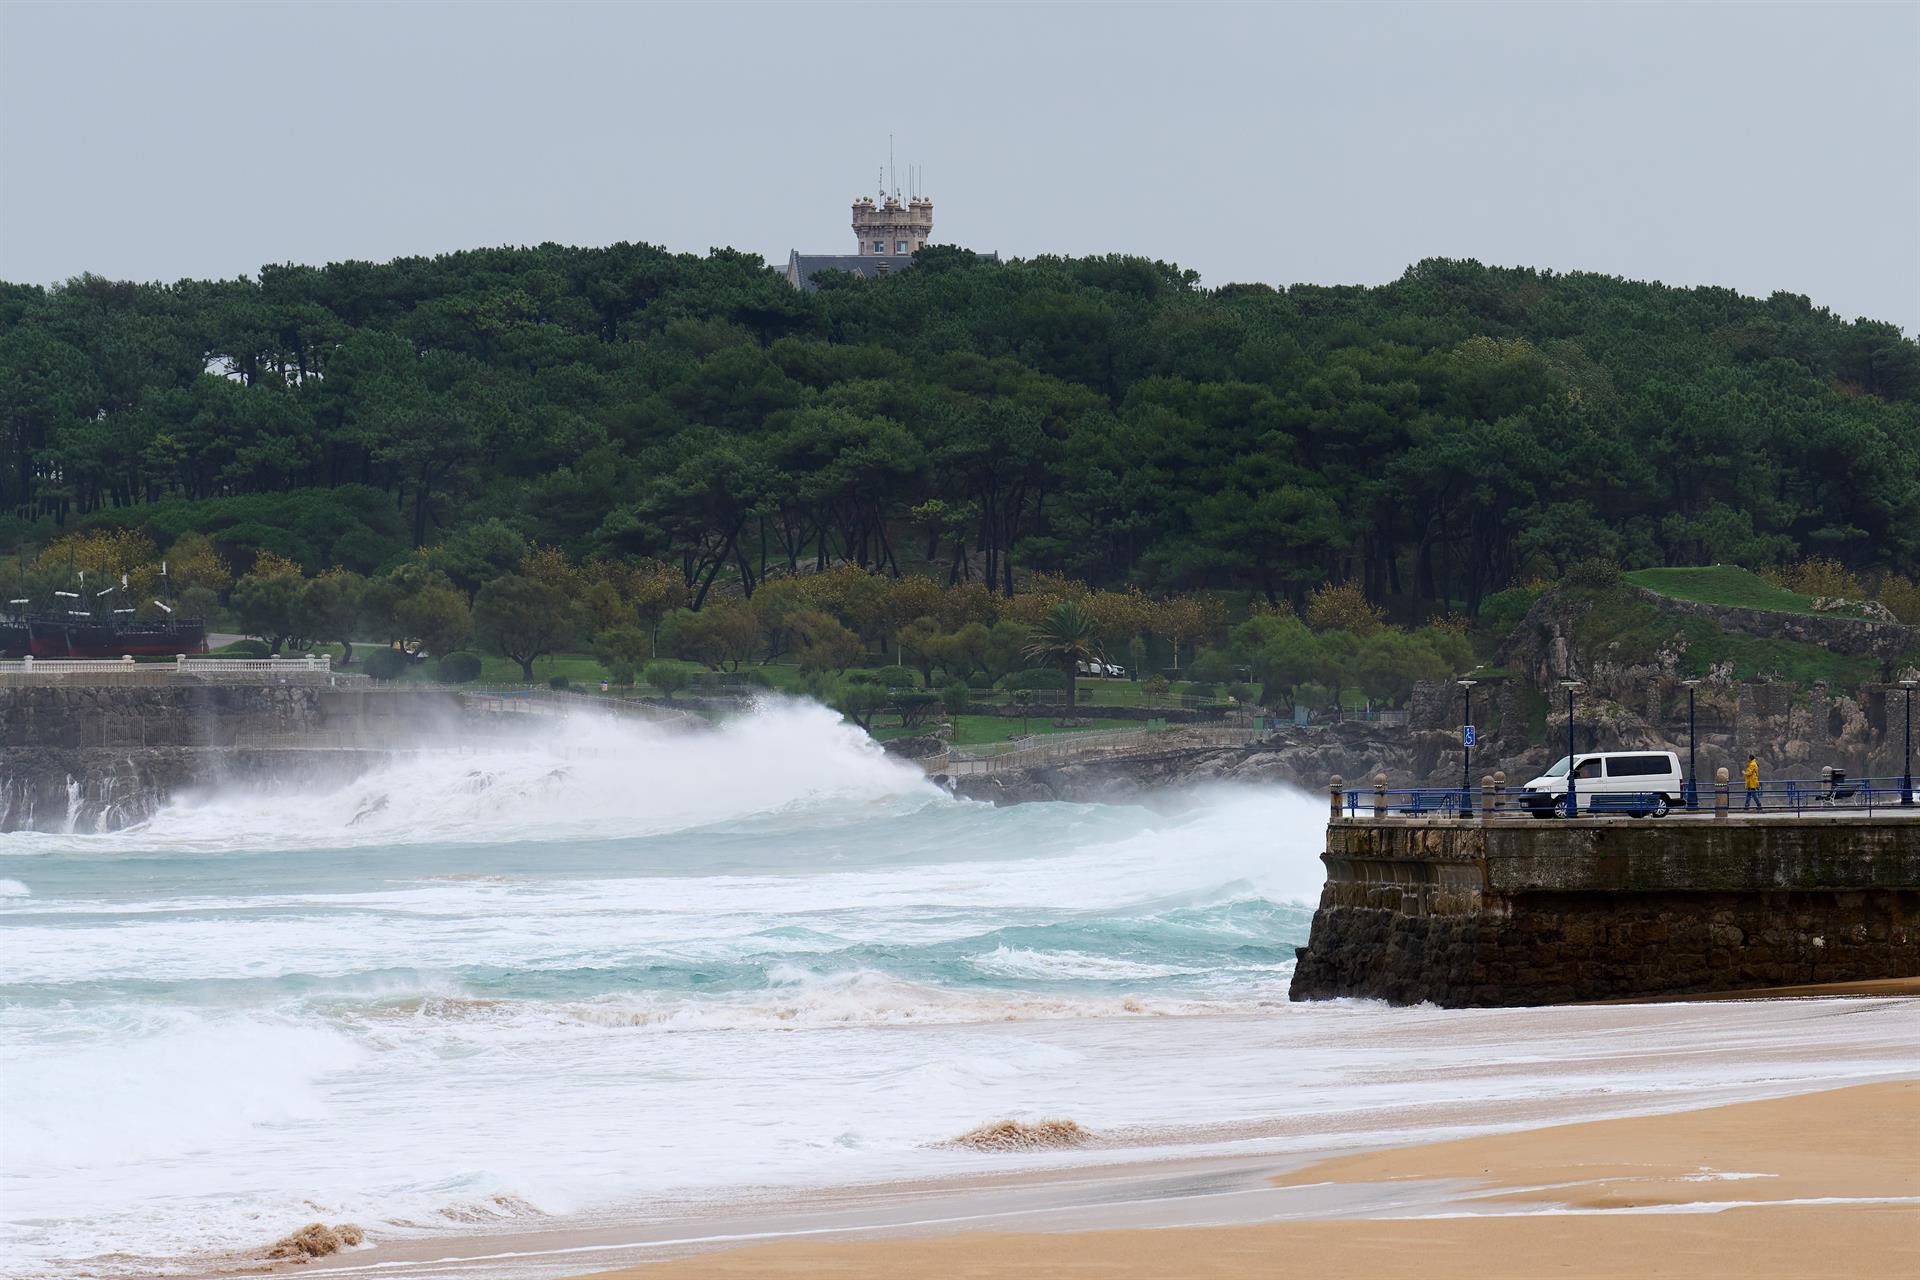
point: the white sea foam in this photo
(583, 777)
(604, 970)
(14, 889)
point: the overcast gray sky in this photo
(1760, 146)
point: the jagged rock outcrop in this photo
(1304, 756)
(915, 748)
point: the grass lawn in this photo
(1728, 585)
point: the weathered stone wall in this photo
(1517, 912)
(99, 789)
(90, 758)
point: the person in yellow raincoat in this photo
(1752, 774)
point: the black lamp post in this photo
(1906, 773)
(1692, 797)
(1466, 740)
(1573, 799)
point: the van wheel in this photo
(1560, 807)
(1660, 806)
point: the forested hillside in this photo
(1432, 441)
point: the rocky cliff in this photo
(1632, 692)
(1304, 756)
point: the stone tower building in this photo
(892, 229)
(889, 234)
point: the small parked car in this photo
(1618, 780)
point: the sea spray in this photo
(579, 777)
(609, 964)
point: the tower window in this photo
(879, 246)
(899, 246)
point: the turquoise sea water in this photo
(617, 974)
(611, 966)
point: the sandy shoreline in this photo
(1349, 1085)
(1822, 1184)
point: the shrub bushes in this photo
(1594, 575)
(915, 707)
(386, 664)
(668, 677)
(887, 677)
(558, 682)
(956, 697)
(1502, 611)
(1037, 678)
(459, 668)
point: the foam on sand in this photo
(1022, 1135)
(315, 1240)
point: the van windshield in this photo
(1558, 769)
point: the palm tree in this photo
(1066, 637)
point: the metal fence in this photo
(1051, 698)
(1359, 715)
(522, 700)
(304, 669)
(1785, 796)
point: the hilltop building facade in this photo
(886, 235)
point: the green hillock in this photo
(1730, 585)
(1615, 625)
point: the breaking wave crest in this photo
(615, 963)
(583, 777)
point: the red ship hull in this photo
(48, 638)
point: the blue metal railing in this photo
(1795, 796)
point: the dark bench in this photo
(1436, 801)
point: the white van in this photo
(1652, 774)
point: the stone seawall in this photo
(1514, 912)
(81, 758)
(97, 789)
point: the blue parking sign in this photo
(1466, 734)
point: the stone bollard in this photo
(1333, 794)
(1486, 796)
(1499, 789)
(1380, 795)
(1721, 796)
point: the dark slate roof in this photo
(801, 266)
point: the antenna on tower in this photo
(892, 183)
